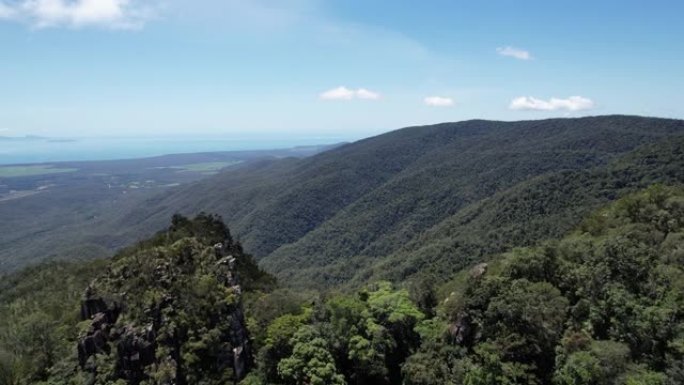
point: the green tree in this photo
(311, 362)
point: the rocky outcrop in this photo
(135, 350)
(162, 340)
(461, 329)
(239, 337)
(478, 270)
(102, 316)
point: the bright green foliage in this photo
(646, 378)
(310, 363)
(263, 307)
(364, 339)
(392, 307)
(278, 344)
(581, 368)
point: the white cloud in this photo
(573, 103)
(514, 52)
(438, 101)
(344, 93)
(339, 93)
(363, 93)
(117, 14)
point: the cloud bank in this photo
(344, 93)
(513, 52)
(438, 101)
(573, 103)
(114, 14)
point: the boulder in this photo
(478, 271)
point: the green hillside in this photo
(427, 199)
(544, 207)
(318, 220)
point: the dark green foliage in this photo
(546, 207)
(38, 319)
(604, 305)
(181, 286)
(479, 189)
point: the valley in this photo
(65, 199)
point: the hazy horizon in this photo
(47, 150)
(32, 149)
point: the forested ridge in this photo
(346, 214)
(334, 218)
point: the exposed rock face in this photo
(240, 341)
(478, 271)
(156, 336)
(461, 329)
(102, 316)
(239, 337)
(92, 306)
(135, 350)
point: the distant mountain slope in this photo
(361, 202)
(378, 207)
(542, 208)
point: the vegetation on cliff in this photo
(167, 310)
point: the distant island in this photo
(32, 138)
(62, 140)
(22, 138)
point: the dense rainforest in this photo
(604, 304)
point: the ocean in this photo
(45, 150)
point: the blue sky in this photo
(335, 67)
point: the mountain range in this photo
(429, 199)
